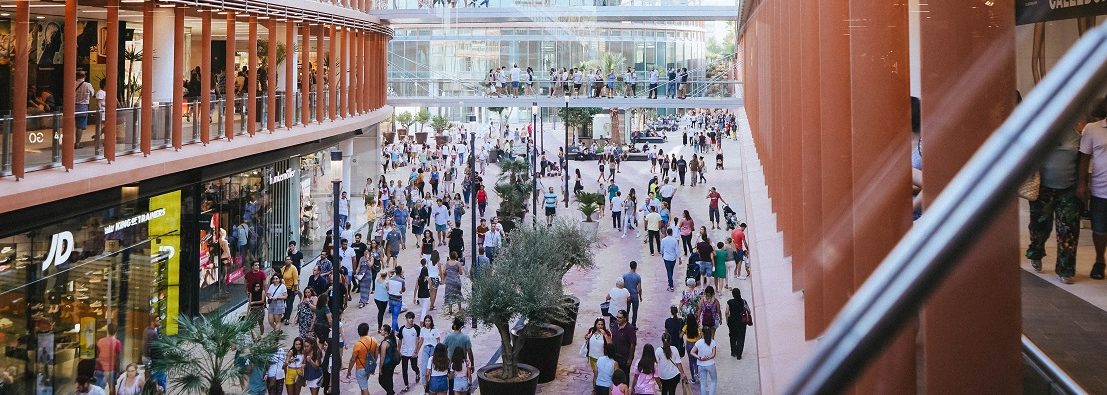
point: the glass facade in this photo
(75, 291)
(455, 60)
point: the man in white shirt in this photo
(629, 81)
(441, 216)
(343, 208)
(667, 191)
(619, 297)
(493, 238)
(653, 229)
(1093, 157)
(82, 97)
(346, 258)
(516, 79)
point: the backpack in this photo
(370, 362)
(393, 357)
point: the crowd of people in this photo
(595, 83)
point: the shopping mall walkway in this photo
(612, 254)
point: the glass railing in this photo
(431, 4)
(432, 87)
(43, 147)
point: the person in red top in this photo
(255, 275)
(713, 209)
(738, 237)
(482, 200)
(108, 350)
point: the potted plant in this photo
(525, 283)
(200, 358)
(512, 190)
(405, 119)
(421, 118)
(439, 124)
(589, 203)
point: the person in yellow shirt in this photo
(364, 348)
(291, 277)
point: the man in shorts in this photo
(364, 348)
(392, 241)
(738, 240)
(550, 199)
(713, 198)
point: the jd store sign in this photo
(61, 247)
(1031, 11)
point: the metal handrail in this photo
(1057, 376)
(929, 252)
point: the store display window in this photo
(243, 220)
(65, 286)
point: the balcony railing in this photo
(432, 4)
(43, 147)
(445, 87)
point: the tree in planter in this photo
(524, 283)
(405, 119)
(422, 117)
(201, 357)
(579, 118)
(439, 123)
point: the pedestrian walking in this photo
(738, 317)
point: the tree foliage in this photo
(524, 282)
(200, 358)
(589, 203)
(439, 123)
(579, 117)
(405, 119)
(422, 117)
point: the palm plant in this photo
(589, 204)
(132, 86)
(611, 61)
(201, 357)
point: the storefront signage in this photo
(61, 246)
(281, 177)
(135, 220)
(1031, 11)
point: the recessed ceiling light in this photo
(40, 17)
(5, 14)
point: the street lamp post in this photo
(336, 353)
(565, 166)
(534, 165)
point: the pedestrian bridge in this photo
(443, 15)
(545, 101)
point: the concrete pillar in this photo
(836, 248)
(305, 77)
(69, 83)
(289, 83)
(881, 152)
(228, 83)
(320, 64)
(250, 117)
(178, 73)
(22, 59)
(271, 76)
(149, 30)
(348, 156)
(205, 77)
(366, 162)
(163, 40)
(971, 326)
(111, 79)
(617, 126)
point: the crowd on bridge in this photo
(594, 83)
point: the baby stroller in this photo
(552, 168)
(731, 217)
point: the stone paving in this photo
(613, 254)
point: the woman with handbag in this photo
(598, 336)
(738, 317)
(670, 370)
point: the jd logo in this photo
(61, 246)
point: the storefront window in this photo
(243, 219)
(316, 205)
(65, 286)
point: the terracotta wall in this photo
(827, 89)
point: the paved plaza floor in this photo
(612, 256)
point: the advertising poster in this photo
(1032, 11)
(165, 233)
